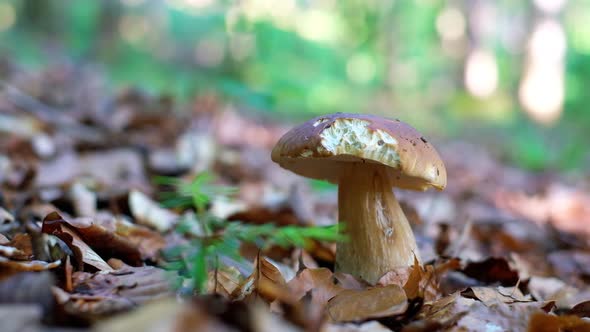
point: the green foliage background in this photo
(286, 74)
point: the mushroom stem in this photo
(379, 235)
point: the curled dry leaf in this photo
(224, 281)
(82, 252)
(419, 281)
(266, 280)
(81, 233)
(359, 305)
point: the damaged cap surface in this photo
(319, 147)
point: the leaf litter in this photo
(83, 223)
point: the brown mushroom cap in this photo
(317, 149)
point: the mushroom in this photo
(365, 155)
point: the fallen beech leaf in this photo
(267, 281)
(319, 281)
(476, 316)
(417, 277)
(22, 242)
(359, 305)
(348, 281)
(542, 322)
(398, 276)
(491, 296)
(492, 270)
(145, 240)
(9, 266)
(81, 250)
(581, 309)
(81, 233)
(224, 281)
(418, 281)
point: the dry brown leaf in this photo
(224, 281)
(266, 280)
(581, 309)
(398, 276)
(348, 281)
(492, 270)
(22, 242)
(82, 252)
(83, 233)
(359, 305)
(491, 296)
(476, 316)
(10, 267)
(542, 322)
(319, 281)
(146, 241)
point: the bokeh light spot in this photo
(450, 24)
(361, 68)
(481, 73)
(548, 41)
(542, 92)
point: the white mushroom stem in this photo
(380, 238)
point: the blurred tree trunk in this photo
(38, 17)
(110, 14)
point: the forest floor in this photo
(89, 239)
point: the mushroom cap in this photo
(319, 148)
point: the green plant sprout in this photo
(211, 238)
